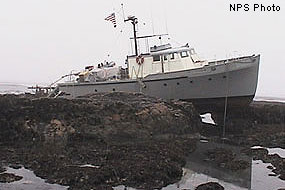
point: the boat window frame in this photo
(165, 57)
(183, 56)
(154, 57)
(174, 56)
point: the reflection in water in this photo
(261, 179)
(201, 169)
(29, 181)
(192, 179)
(278, 151)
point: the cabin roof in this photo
(172, 50)
(165, 51)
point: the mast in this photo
(134, 21)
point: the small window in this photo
(184, 54)
(165, 57)
(172, 56)
(156, 58)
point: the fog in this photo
(42, 40)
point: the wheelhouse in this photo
(163, 59)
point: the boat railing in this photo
(217, 62)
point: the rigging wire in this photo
(151, 17)
(226, 99)
(165, 19)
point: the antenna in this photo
(165, 17)
(134, 22)
(151, 16)
(122, 5)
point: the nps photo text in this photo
(256, 7)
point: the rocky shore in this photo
(104, 140)
(98, 141)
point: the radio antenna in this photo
(122, 5)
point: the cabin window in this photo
(184, 54)
(156, 58)
(165, 57)
(192, 52)
(173, 56)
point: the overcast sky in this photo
(41, 40)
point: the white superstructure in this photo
(164, 59)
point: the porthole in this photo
(210, 79)
(114, 90)
(178, 83)
(191, 81)
(224, 76)
(165, 84)
(95, 90)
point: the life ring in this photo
(140, 59)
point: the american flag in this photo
(112, 18)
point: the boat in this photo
(171, 73)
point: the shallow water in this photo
(197, 172)
(261, 179)
(279, 151)
(7, 88)
(269, 99)
(29, 181)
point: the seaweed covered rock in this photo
(210, 186)
(9, 178)
(99, 141)
(116, 116)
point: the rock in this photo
(2, 169)
(225, 158)
(8, 178)
(56, 132)
(210, 186)
(15, 166)
(106, 115)
(131, 138)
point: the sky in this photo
(40, 41)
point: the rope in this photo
(226, 99)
